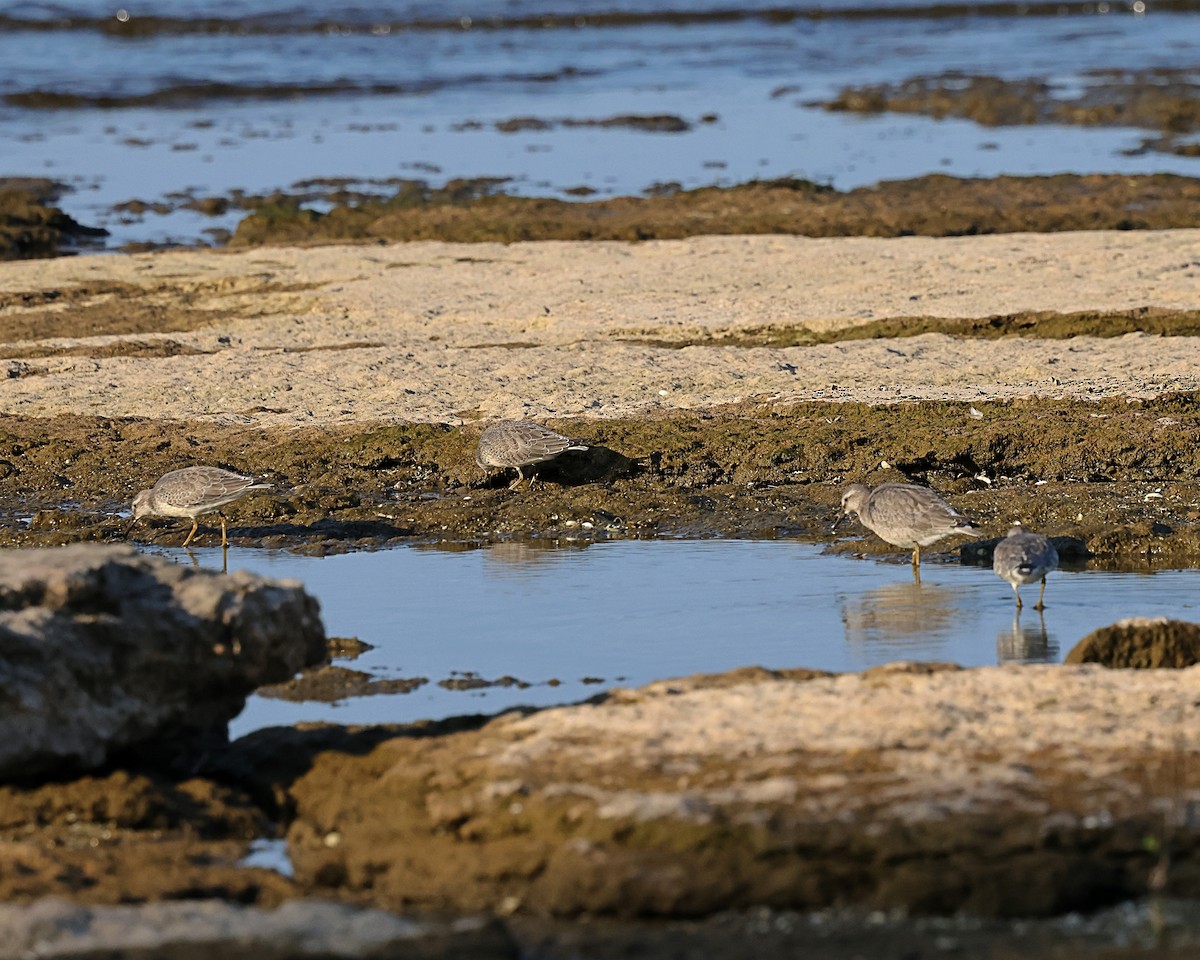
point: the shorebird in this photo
(905, 515)
(1024, 557)
(192, 491)
(520, 443)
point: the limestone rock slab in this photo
(1009, 791)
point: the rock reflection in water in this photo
(905, 614)
(1026, 642)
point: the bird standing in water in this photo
(1025, 557)
(905, 515)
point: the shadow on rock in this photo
(107, 652)
(327, 529)
(266, 763)
(574, 468)
(1073, 553)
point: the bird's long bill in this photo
(129, 527)
(838, 521)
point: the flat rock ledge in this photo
(1008, 791)
(104, 651)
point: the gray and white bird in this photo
(1024, 557)
(192, 491)
(905, 515)
(520, 443)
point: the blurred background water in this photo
(153, 101)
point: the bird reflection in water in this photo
(905, 614)
(1026, 642)
(523, 558)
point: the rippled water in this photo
(259, 95)
(572, 621)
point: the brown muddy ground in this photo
(927, 206)
(1124, 477)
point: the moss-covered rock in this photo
(1141, 643)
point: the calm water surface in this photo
(628, 612)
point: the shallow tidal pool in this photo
(569, 621)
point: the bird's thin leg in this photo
(917, 575)
(195, 527)
(1041, 594)
(1017, 591)
(224, 536)
(516, 483)
(917, 555)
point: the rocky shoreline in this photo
(757, 810)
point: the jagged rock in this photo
(210, 928)
(104, 650)
(1141, 643)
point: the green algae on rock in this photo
(926, 206)
(30, 226)
(1141, 643)
(1161, 99)
(978, 794)
(1123, 477)
(1041, 324)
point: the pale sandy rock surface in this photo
(1002, 791)
(948, 740)
(441, 332)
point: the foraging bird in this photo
(905, 515)
(520, 443)
(192, 491)
(1024, 557)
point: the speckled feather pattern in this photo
(904, 514)
(1024, 557)
(192, 491)
(520, 443)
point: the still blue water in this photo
(625, 613)
(446, 77)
